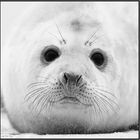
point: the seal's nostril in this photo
(65, 78)
(79, 79)
(71, 78)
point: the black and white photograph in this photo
(69, 69)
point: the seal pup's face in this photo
(71, 76)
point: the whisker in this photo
(36, 83)
(33, 92)
(54, 36)
(95, 105)
(101, 93)
(104, 100)
(92, 42)
(104, 108)
(38, 100)
(37, 86)
(63, 40)
(40, 94)
(43, 102)
(92, 36)
(100, 104)
(30, 94)
(107, 100)
(95, 101)
(106, 92)
(106, 103)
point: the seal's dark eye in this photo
(99, 58)
(51, 55)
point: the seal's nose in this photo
(69, 78)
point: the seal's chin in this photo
(68, 117)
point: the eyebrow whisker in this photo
(63, 40)
(90, 43)
(54, 36)
(92, 36)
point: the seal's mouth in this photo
(69, 103)
(72, 101)
(69, 100)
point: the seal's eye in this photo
(50, 53)
(99, 58)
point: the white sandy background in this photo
(9, 12)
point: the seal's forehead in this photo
(78, 24)
(42, 12)
(77, 21)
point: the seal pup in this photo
(72, 68)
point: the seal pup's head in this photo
(72, 68)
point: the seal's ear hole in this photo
(99, 58)
(50, 53)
